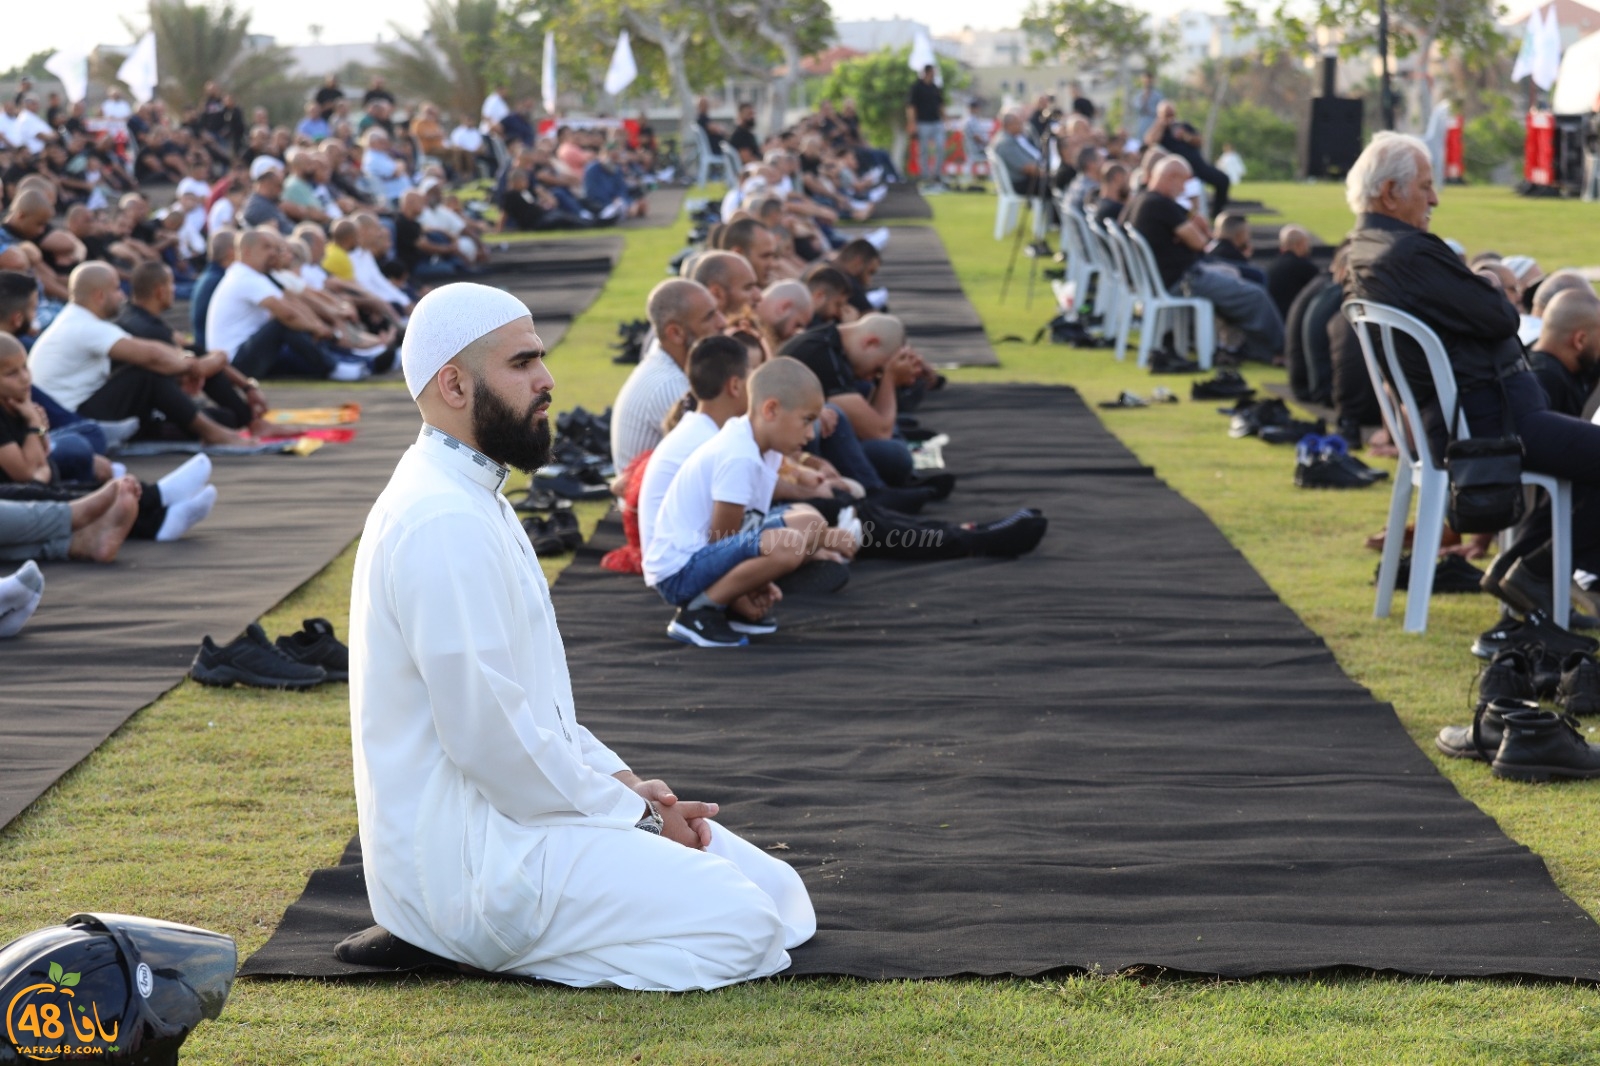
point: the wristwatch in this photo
(651, 822)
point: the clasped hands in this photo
(682, 821)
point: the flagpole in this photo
(1386, 100)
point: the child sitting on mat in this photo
(713, 549)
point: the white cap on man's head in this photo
(447, 320)
(263, 165)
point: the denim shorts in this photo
(707, 566)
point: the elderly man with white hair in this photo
(1394, 260)
(496, 830)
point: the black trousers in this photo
(277, 350)
(134, 392)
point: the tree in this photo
(1422, 28)
(32, 67)
(1096, 34)
(199, 43)
(880, 84)
(455, 60)
(755, 35)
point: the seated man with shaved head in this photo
(1177, 240)
(25, 226)
(681, 312)
(94, 367)
(496, 830)
(260, 331)
(1293, 270)
(784, 310)
(731, 281)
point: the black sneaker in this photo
(1318, 473)
(317, 645)
(1458, 741)
(1225, 385)
(1579, 692)
(1165, 361)
(1293, 432)
(765, 627)
(1540, 745)
(1249, 420)
(1452, 575)
(568, 485)
(908, 500)
(1509, 676)
(545, 540)
(705, 628)
(252, 660)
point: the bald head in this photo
(682, 312)
(1555, 284)
(1170, 175)
(1569, 311)
(1294, 240)
(219, 248)
(11, 348)
(89, 281)
(30, 213)
(785, 308)
(870, 341)
(788, 381)
(730, 278)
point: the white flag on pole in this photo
(547, 82)
(138, 71)
(623, 69)
(1547, 51)
(1530, 40)
(72, 68)
(922, 56)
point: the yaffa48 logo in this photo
(46, 1021)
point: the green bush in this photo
(1265, 142)
(1491, 139)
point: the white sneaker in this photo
(350, 370)
(878, 238)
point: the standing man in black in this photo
(328, 97)
(743, 138)
(925, 122)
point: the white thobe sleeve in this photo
(457, 619)
(596, 755)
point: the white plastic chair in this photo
(1083, 265)
(1191, 316)
(1122, 255)
(1113, 299)
(708, 160)
(1008, 210)
(1421, 472)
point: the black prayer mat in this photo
(924, 292)
(1120, 750)
(902, 201)
(107, 640)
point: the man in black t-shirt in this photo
(1177, 239)
(1293, 269)
(1566, 357)
(426, 259)
(925, 122)
(743, 138)
(1180, 139)
(713, 130)
(328, 96)
(1113, 193)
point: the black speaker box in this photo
(1334, 139)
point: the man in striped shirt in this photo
(681, 312)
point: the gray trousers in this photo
(1245, 304)
(930, 143)
(34, 530)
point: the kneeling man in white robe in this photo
(495, 829)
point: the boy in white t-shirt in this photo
(718, 367)
(712, 545)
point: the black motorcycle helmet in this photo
(122, 989)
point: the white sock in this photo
(186, 514)
(349, 370)
(185, 482)
(19, 598)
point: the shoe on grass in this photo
(317, 645)
(1458, 741)
(1544, 745)
(252, 660)
(1579, 692)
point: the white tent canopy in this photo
(1579, 82)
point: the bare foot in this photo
(86, 509)
(101, 539)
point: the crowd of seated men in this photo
(765, 439)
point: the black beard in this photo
(507, 436)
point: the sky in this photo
(33, 27)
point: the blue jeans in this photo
(930, 150)
(708, 565)
(843, 449)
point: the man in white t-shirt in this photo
(372, 240)
(718, 367)
(495, 109)
(714, 552)
(115, 109)
(87, 363)
(29, 130)
(263, 333)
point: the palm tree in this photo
(453, 61)
(197, 43)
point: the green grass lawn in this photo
(212, 807)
